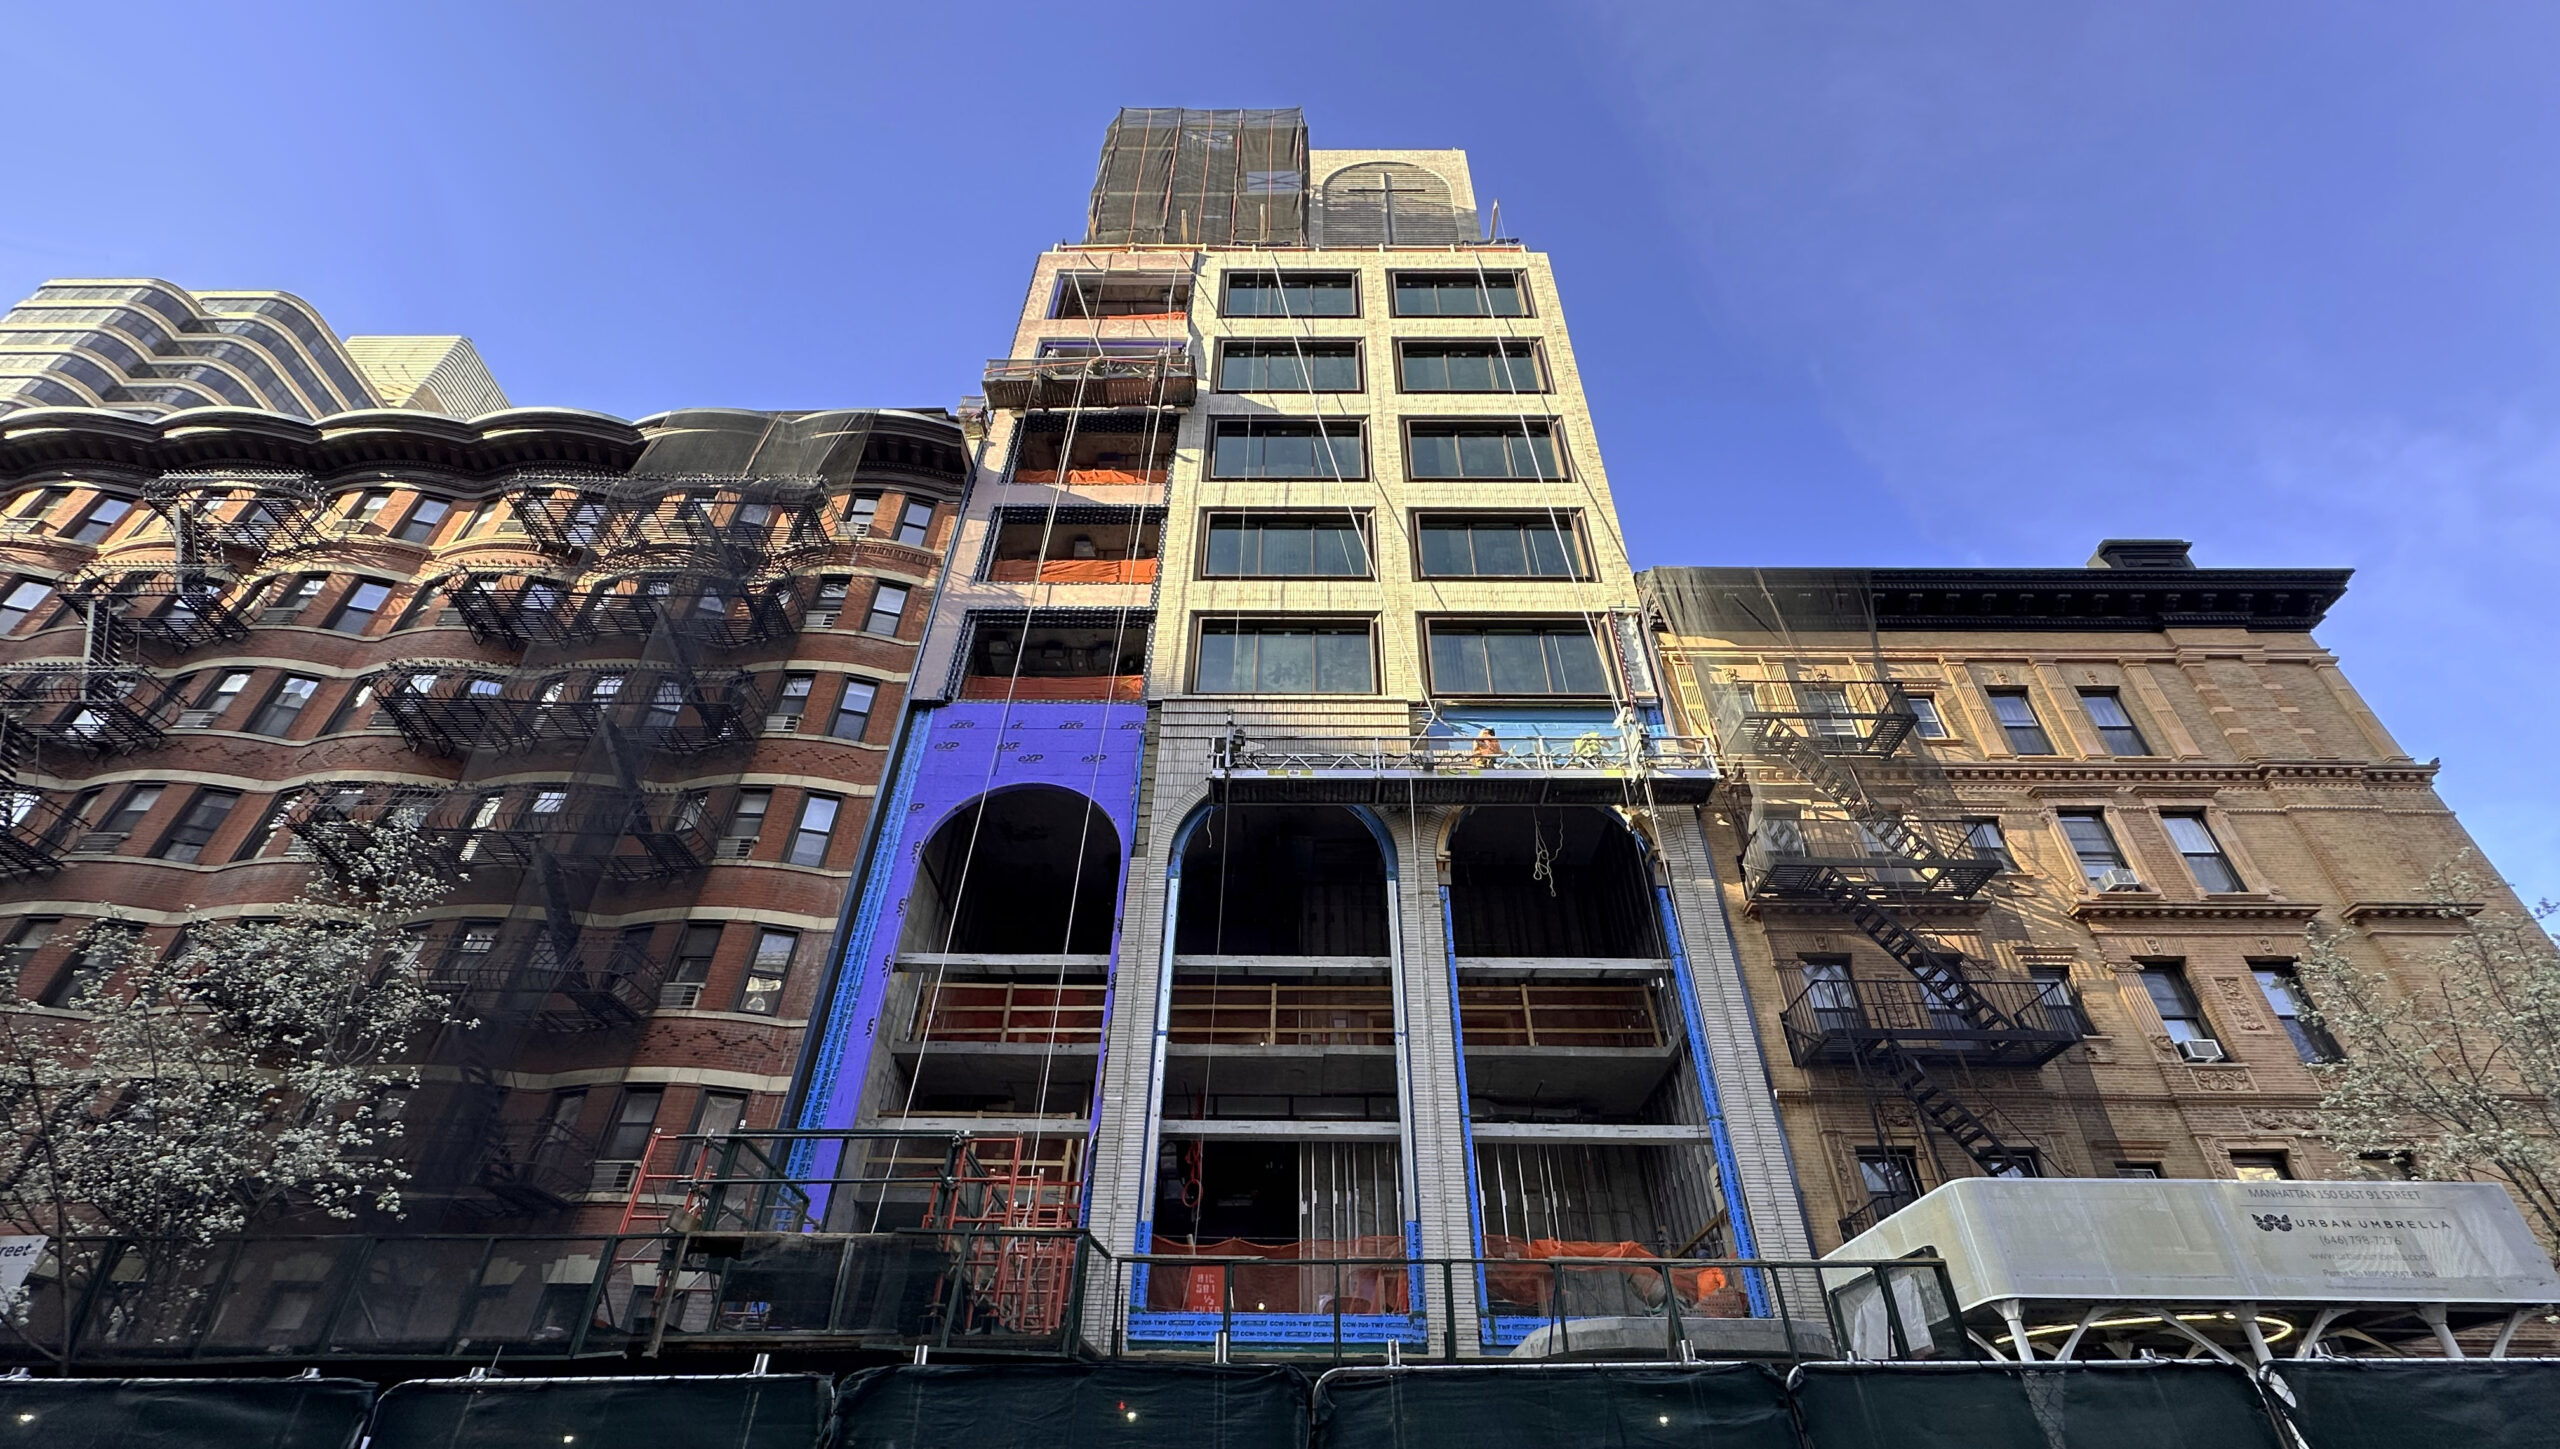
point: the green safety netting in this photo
(1711, 1406)
(183, 1413)
(1074, 1406)
(2148, 1405)
(759, 1411)
(2348, 1403)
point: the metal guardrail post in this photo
(221, 1294)
(1894, 1335)
(603, 1279)
(363, 1256)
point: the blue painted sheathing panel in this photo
(957, 753)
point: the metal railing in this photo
(1838, 716)
(1162, 377)
(1834, 1023)
(1596, 751)
(1914, 857)
(101, 1302)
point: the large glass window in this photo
(1288, 448)
(98, 520)
(186, 840)
(2092, 842)
(2176, 1003)
(2017, 716)
(425, 517)
(1293, 294)
(355, 612)
(284, 706)
(1509, 448)
(2281, 984)
(2115, 727)
(1489, 366)
(130, 810)
(1459, 294)
(1557, 658)
(1531, 547)
(2061, 1002)
(628, 1138)
(1259, 546)
(23, 599)
(915, 524)
(1930, 725)
(768, 971)
(1284, 657)
(1289, 366)
(888, 608)
(2205, 860)
(853, 709)
(817, 828)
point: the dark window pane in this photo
(1518, 663)
(1549, 556)
(1287, 665)
(1575, 660)
(1338, 553)
(1342, 663)
(1499, 550)
(1445, 551)
(1458, 663)
(1219, 671)
(1288, 551)
(1226, 542)
(1433, 455)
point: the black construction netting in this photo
(2041, 1406)
(1712, 1406)
(2351, 1403)
(183, 1413)
(764, 1411)
(1074, 1406)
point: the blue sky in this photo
(1964, 283)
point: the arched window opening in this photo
(1034, 871)
(1282, 880)
(1557, 881)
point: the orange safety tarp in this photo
(1278, 1284)
(1127, 688)
(1077, 477)
(1073, 571)
(1703, 1291)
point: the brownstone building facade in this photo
(640, 678)
(2020, 861)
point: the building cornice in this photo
(2146, 906)
(2112, 774)
(1716, 602)
(39, 440)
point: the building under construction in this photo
(1210, 851)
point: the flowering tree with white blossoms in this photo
(2454, 1066)
(240, 1076)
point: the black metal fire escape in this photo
(1869, 859)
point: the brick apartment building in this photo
(640, 677)
(2021, 861)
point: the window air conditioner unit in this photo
(2204, 1050)
(738, 847)
(781, 724)
(2119, 879)
(196, 719)
(821, 619)
(679, 995)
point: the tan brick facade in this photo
(2248, 730)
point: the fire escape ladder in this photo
(1883, 822)
(1941, 1108)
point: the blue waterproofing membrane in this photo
(958, 753)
